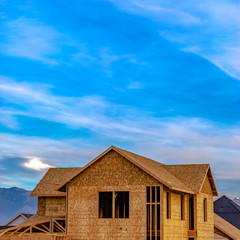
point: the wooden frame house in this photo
(122, 195)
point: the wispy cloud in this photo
(209, 28)
(28, 38)
(158, 10)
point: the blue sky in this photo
(159, 78)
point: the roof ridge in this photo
(160, 165)
(176, 184)
(137, 155)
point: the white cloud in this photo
(30, 39)
(36, 164)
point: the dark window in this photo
(148, 194)
(158, 194)
(148, 221)
(121, 204)
(168, 205)
(153, 195)
(205, 209)
(182, 208)
(105, 204)
(191, 212)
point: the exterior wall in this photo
(17, 221)
(205, 230)
(175, 228)
(52, 206)
(111, 173)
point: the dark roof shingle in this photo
(53, 178)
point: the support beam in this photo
(45, 227)
(40, 229)
(5, 231)
(59, 228)
(63, 229)
(27, 229)
(15, 231)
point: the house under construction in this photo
(121, 195)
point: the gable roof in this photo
(169, 176)
(53, 178)
(226, 227)
(228, 210)
(222, 202)
(193, 175)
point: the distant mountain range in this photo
(14, 201)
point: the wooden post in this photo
(151, 212)
(161, 211)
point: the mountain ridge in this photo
(15, 200)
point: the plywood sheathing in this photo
(52, 206)
(112, 172)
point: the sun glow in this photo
(36, 164)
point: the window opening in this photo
(191, 212)
(205, 209)
(121, 204)
(105, 204)
(168, 205)
(182, 208)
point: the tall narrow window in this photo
(153, 213)
(191, 212)
(121, 204)
(182, 207)
(105, 204)
(168, 202)
(205, 209)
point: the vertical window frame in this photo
(168, 204)
(205, 209)
(182, 207)
(191, 212)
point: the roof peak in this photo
(165, 174)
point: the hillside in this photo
(14, 201)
